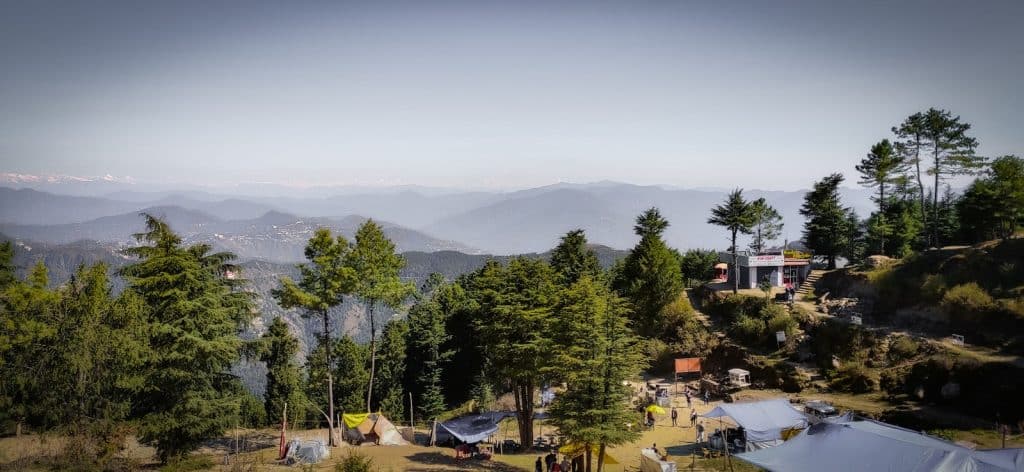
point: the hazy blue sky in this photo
(760, 94)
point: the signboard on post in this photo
(780, 336)
(689, 365)
(856, 320)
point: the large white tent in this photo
(873, 446)
(763, 421)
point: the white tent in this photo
(763, 421)
(650, 462)
(874, 446)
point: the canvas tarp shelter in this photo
(650, 462)
(874, 446)
(574, 450)
(763, 421)
(375, 426)
(471, 428)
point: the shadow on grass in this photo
(435, 459)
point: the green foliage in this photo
(841, 340)
(324, 282)
(650, 278)
(572, 259)
(426, 347)
(376, 265)
(596, 352)
(831, 230)
(389, 393)
(252, 413)
(993, 205)
(903, 348)
(766, 224)
(278, 350)
(351, 375)
(698, 266)
(854, 378)
(735, 216)
(515, 303)
(967, 302)
(354, 461)
(188, 464)
(882, 168)
(195, 313)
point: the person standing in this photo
(675, 415)
(566, 464)
(689, 398)
(706, 397)
(700, 432)
(650, 420)
(693, 417)
(550, 460)
(538, 466)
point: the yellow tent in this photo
(573, 450)
(656, 409)
(354, 419)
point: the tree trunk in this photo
(330, 381)
(920, 183)
(523, 394)
(735, 266)
(373, 356)
(881, 214)
(589, 461)
(935, 200)
(600, 458)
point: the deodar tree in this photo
(650, 277)
(514, 303)
(595, 352)
(278, 349)
(324, 282)
(830, 229)
(195, 314)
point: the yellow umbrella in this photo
(656, 409)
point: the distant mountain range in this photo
(417, 218)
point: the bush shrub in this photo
(968, 302)
(748, 330)
(902, 348)
(854, 378)
(354, 462)
(252, 412)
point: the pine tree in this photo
(993, 205)
(352, 375)
(324, 282)
(27, 320)
(650, 277)
(952, 153)
(376, 266)
(831, 229)
(389, 394)
(910, 145)
(572, 259)
(766, 224)
(698, 265)
(597, 351)
(735, 216)
(195, 315)
(425, 344)
(882, 168)
(278, 350)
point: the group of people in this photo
(675, 417)
(549, 463)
